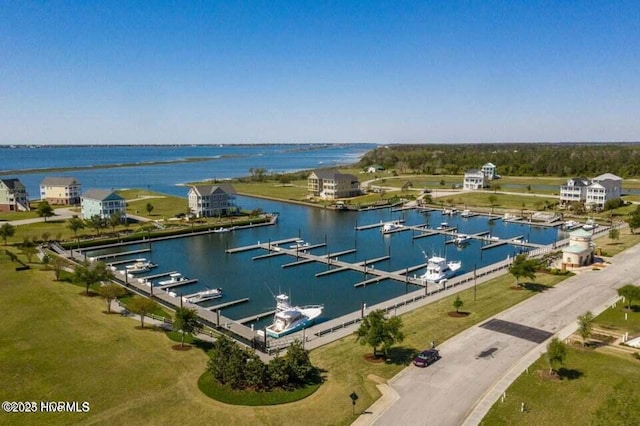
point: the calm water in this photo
(226, 161)
(204, 257)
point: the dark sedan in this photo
(426, 357)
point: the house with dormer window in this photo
(212, 200)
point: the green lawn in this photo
(611, 247)
(503, 201)
(602, 390)
(164, 206)
(613, 319)
(133, 376)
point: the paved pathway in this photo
(478, 365)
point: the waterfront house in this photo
(329, 184)
(13, 196)
(60, 190)
(575, 190)
(594, 193)
(489, 171)
(103, 203)
(579, 252)
(375, 168)
(474, 179)
(212, 200)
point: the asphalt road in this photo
(480, 363)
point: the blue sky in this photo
(315, 71)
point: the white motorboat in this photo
(176, 277)
(299, 243)
(140, 266)
(461, 239)
(289, 319)
(203, 296)
(570, 224)
(466, 213)
(443, 226)
(590, 225)
(390, 227)
(439, 270)
(450, 212)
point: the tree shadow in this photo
(202, 344)
(535, 287)
(569, 374)
(400, 355)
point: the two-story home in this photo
(60, 190)
(489, 171)
(594, 193)
(212, 200)
(474, 179)
(103, 203)
(575, 190)
(329, 184)
(13, 196)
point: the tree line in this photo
(512, 159)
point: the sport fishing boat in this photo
(289, 319)
(438, 270)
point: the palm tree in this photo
(186, 320)
(75, 224)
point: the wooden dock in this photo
(364, 262)
(176, 284)
(256, 317)
(146, 278)
(226, 304)
(124, 253)
(261, 245)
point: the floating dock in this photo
(176, 284)
(124, 253)
(256, 317)
(226, 304)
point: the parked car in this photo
(426, 357)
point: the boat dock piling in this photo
(146, 278)
(121, 262)
(256, 317)
(124, 253)
(224, 305)
(176, 284)
(376, 225)
(345, 268)
(261, 245)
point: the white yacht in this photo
(289, 319)
(203, 296)
(390, 227)
(466, 213)
(570, 224)
(590, 225)
(461, 239)
(299, 243)
(439, 270)
(176, 277)
(443, 226)
(140, 266)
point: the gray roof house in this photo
(103, 203)
(329, 184)
(212, 200)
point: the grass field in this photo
(612, 247)
(599, 387)
(133, 376)
(602, 390)
(503, 201)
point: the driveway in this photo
(480, 363)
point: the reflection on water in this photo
(204, 257)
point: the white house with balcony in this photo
(13, 196)
(575, 190)
(103, 203)
(489, 171)
(474, 179)
(212, 200)
(594, 193)
(329, 184)
(60, 190)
